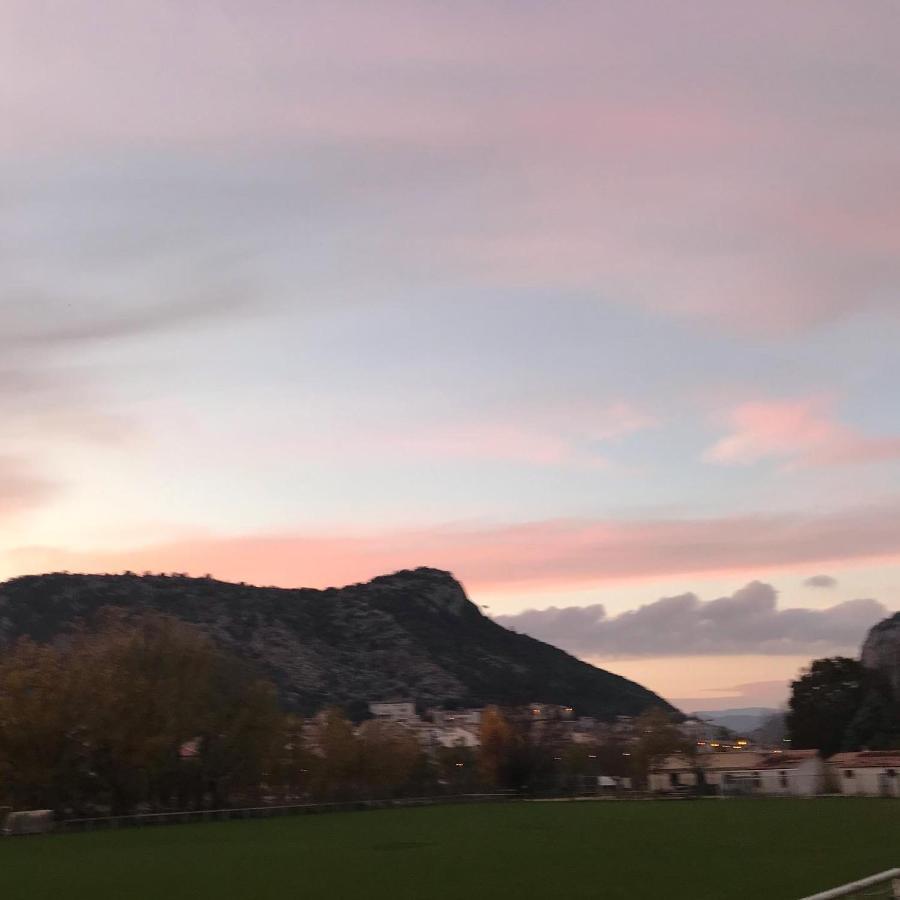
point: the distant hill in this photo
(411, 634)
(743, 720)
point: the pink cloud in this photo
(800, 432)
(570, 433)
(21, 488)
(557, 553)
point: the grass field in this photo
(699, 849)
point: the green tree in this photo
(824, 701)
(876, 723)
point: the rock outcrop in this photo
(881, 651)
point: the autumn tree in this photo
(521, 749)
(103, 718)
(497, 747)
(43, 756)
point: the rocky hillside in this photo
(410, 634)
(881, 650)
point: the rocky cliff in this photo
(411, 634)
(881, 651)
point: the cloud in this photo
(56, 391)
(746, 622)
(570, 433)
(773, 694)
(54, 321)
(45, 410)
(559, 553)
(696, 162)
(796, 432)
(821, 581)
(21, 489)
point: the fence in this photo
(884, 884)
(185, 817)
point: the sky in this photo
(595, 305)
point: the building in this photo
(454, 718)
(34, 821)
(453, 736)
(551, 711)
(393, 710)
(871, 773)
(798, 773)
(709, 771)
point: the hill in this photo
(742, 720)
(411, 634)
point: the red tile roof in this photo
(786, 759)
(867, 759)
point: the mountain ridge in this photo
(412, 633)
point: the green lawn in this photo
(579, 851)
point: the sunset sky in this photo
(596, 305)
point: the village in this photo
(714, 761)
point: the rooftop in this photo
(867, 759)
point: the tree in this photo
(520, 750)
(336, 760)
(42, 750)
(497, 747)
(876, 723)
(824, 701)
(658, 736)
(457, 768)
(101, 721)
(611, 758)
(241, 736)
(388, 755)
(292, 762)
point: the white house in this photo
(871, 773)
(716, 770)
(796, 773)
(395, 710)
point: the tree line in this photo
(147, 713)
